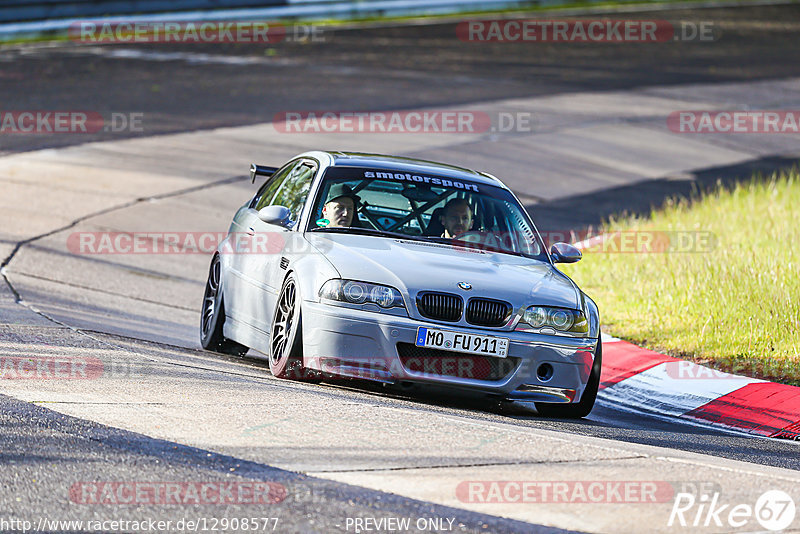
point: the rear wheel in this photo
(584, 407)
(212, 317)
(286, 337)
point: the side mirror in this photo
(278, 215)
(565, 253)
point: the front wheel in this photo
(212, 317)
(286, 337)
(584, 407)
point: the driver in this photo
(456, 217)
(341, 206)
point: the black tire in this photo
(212, 316)
(286, 337)
(584, 407)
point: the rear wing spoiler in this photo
(260, 170)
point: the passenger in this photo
(341, 206)
(456, 217)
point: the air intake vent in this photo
(440, 306)
(486, 312)
(436, 363)
(284, 263)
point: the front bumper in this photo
(376, 346)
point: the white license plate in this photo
(461, 342)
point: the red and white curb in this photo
(638, 379)
(643, 380)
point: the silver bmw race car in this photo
(402, 271)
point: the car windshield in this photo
(423, 207)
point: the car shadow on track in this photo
(605, 421)
(432, 395)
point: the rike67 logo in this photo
(774, 510)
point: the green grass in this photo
(735, 307)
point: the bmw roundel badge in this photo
(465, 286)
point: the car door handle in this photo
(251, 231)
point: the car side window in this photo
(268, 190)
(294, 190)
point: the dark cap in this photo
(341, 190)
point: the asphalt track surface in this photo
(377, 68)
(385, 68)
(200, 86)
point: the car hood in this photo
(413, 266)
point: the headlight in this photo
(356, 292)
(559, 319)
